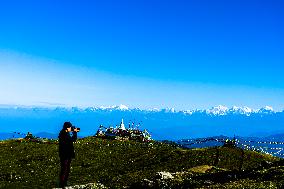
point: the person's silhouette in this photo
(66, 151)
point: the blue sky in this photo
(142, 53)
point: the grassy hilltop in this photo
(124, 164)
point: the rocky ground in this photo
(207, 176)
(86, 186)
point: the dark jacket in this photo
(66, 148)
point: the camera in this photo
(73, 128)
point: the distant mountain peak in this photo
(154, 110)
(266, 109)
(241, 110)
(218, 110)
(122, 107)
(115, 107)
(168, 110)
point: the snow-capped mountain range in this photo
(216, 111)
(166, 123)
(223, 110)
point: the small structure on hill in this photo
(29, 137)
(121, 133)
(230, 143)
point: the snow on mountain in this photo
(214, 111)
(247, 109)
(188, 112)
(121, 107)
(154, 110)
(266, 110)
(241, 110)
(110, 108)
(168, 110)
(91, 109)
(235, 110)
(218, 110)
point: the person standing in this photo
(66, 151)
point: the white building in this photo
(121, 126)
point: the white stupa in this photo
(121, 126)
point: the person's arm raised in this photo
(74, 137)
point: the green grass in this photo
(112, 163)
(261, 179)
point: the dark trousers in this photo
(64, 172)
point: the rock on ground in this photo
(86, 186)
